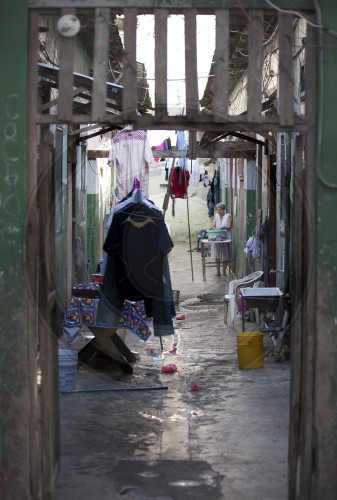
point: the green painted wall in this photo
(93, 219)
(14, 401)
(250, 205)
(61, 252)
(244, 266)
(325, 476)
(80, 229)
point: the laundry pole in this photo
(165, 207)
(189, 228)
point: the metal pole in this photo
(189, 228)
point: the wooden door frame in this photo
(305, 432)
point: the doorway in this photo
(80, 100)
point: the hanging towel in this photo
(179, 182)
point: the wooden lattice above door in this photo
(115, 99)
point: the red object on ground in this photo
(97, 278)
(170, 368)
(196, 387)
(180, 316)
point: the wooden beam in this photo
(306, 5)
(255, 63)
(101, 45)
(247, 138)
(202, 123)
(221, 70)
(54, 102)
(233, 149)
(316, 426)
(130, 66)
(66, 74)
(286, 78)
(191, 72)
(298, 337)
(29, 366)
(216, 152)
(192, 145)
(160, 62)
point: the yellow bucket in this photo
(250, 349)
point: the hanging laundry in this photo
(137, 246)
(213, 195)
(263, 235)
(193, 168)
(256, 249)
(215, 183)
(181, 145)
(249, 246)
(204, 179)
(167, 169)
(210, 203)
(167, 143)
(179, 182)
(132, 154)
(160, 147)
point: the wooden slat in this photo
(45, 336)
(66, 76)
(228, 149)
(161, 62)
(130, 65)
(55, 102)
(255, 63)
(259, 183)
(192, 95)
(221, 69)
(314, 343)
(202, 122)
(32, 251)
(311, 87)
(296, 322)
(192, 145)
(286, 78)
(48, 324)
(101, 43)
(173, 4)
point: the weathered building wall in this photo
(324, 478)
(15, 380)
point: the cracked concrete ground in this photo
(156, 438)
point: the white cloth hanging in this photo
(194, 170)
(132, 154)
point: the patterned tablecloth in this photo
(83, 312)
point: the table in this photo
(261, 298)
(205, 252)
(82, 310)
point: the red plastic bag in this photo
(170, 368)
(196, 387)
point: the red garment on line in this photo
(179, 182)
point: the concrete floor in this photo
(228, 440)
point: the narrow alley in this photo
(209, 430)
(222, 114)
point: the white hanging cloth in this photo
(132, 154)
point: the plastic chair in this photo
(229, 299)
